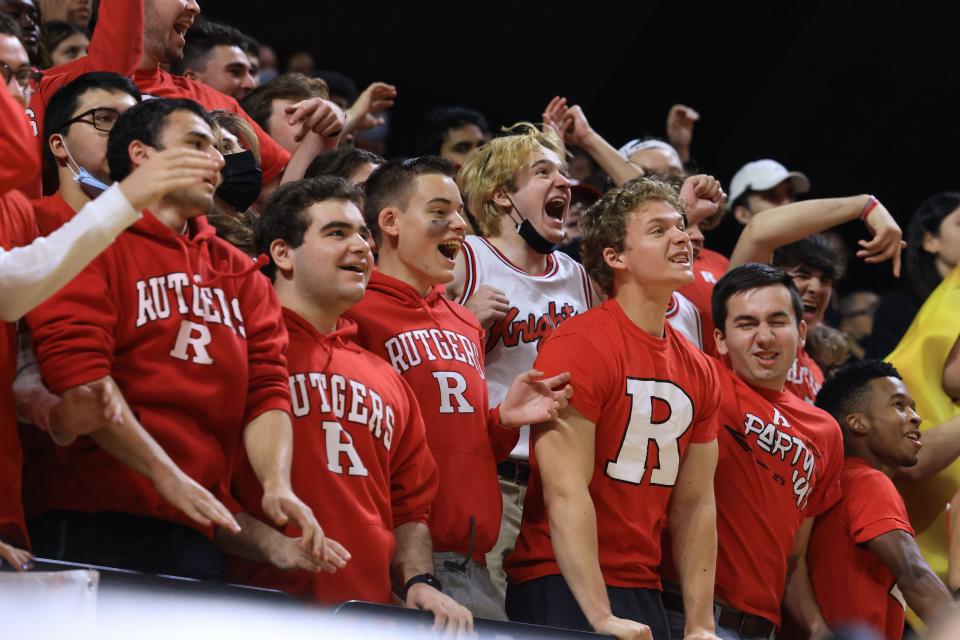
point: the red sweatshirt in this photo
(52, 212)
(437, 346)
(116, 45)
(160, 84)
(359, 462)
(18, 164)
(196, 350)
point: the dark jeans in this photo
(548, 601)
(125, 541)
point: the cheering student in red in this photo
(780, 458)
(193, 339)
(414, 207)
(588, 555)
(360, 456)
(864, 562)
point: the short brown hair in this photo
(605, 223)
(289, 86)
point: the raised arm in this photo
(782, 225)
(693, 529)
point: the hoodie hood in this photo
(195, 245)
(399, 292)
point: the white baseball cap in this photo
(761, 175)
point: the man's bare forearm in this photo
(268, 439)
(413, 555)
(573, 531)
(801, 603)
(616, 166)
(694, 540)
(941, 446)
(252, 542)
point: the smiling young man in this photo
(214, 55)
(780, 459)
(864, 562)
(588, 555)
(516, 282)
(360, 456)
(414, 209)
(176, 317)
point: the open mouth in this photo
(766, 357)
(810, 308)
(355, 268)
(680, 258)
(182, 26)
(555, 208)
(449, 249)
(913, 435)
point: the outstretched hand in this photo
(532, 401)
(377, 97)
(84, 409)
(680, 122)
(19, 559)
(169, 170)
(887, 242)
(282, 506)
(315, 114)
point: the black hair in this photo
(201, 38)
(339, 84)
(64, 102)
(283, 218)
(9, 26)
(433, 127)
(143, 122)
(745, 278)
(849, 388)
(392, 183)
(341, 162)
(919, 265)
(815, 252)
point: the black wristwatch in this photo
(425, 578)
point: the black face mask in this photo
(530, 235)
(242, 180)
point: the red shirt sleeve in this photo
(502, 439)
(414, 478)
(828, 489)
(874, 508)
(706, 425)
(591, 375)
(19, 155)
(73, 331)
(116, 45)
(266, 345)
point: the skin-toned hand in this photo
(703, 196)
(623, 629)
(448, 614)
(54, 10)
(292, 555)
(701, 634)
(167, 171)
(378, 97)
(680, 122)
(489, 304)
(19, 559)
(281, 505)
(84, 409)
(191, 498)
(532, 401)
(317, 115)
(555, 113)
(576, 127)
(887, 243)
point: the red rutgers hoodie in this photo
(194, 339)
(437, 347)
(359, 462)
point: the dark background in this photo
(860, 97)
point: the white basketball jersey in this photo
(685, 318)
(538, 304)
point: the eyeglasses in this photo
(100, 118)
(23, 75)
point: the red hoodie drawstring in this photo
(222, 272)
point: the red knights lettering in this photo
(512, 331)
